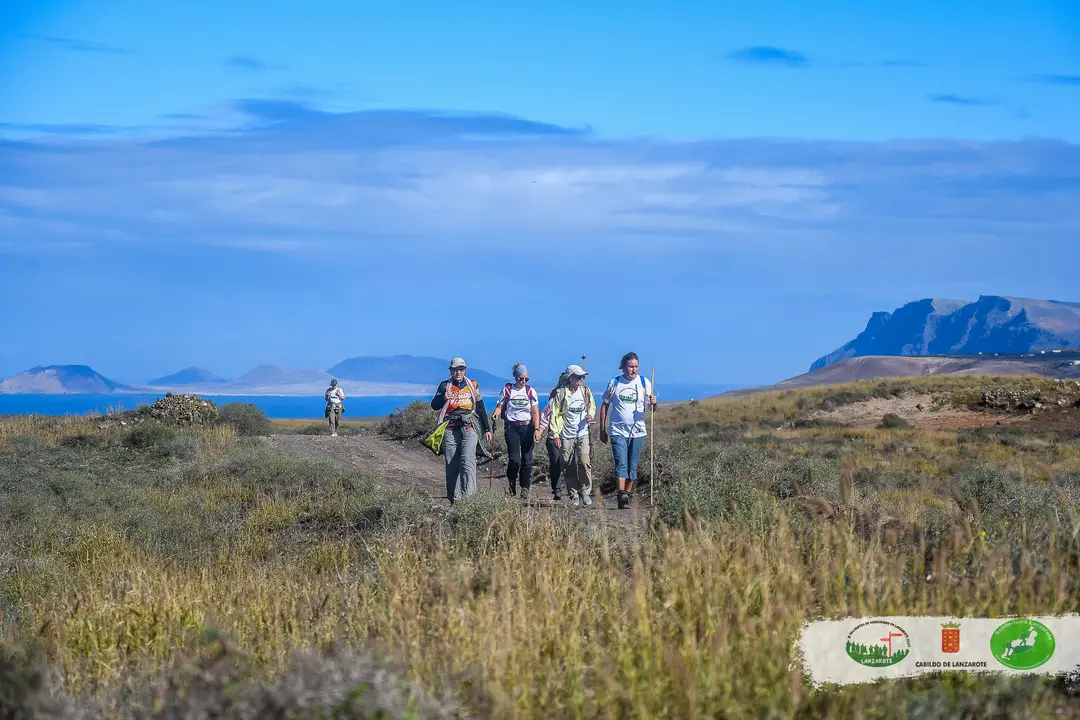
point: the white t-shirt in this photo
(335, 395)
(574, 423)
(628, 402)
(520, 405)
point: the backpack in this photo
(529, 392)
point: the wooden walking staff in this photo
(652, 439)
(585, 382)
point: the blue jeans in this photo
(627, 452)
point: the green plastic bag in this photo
(434, 440)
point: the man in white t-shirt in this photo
(627, 396)
(520, 410)
(572, 409)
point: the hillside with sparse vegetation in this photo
(193, 571)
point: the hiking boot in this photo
(624, 500)
(575, 501)
(588, 500)
(557, 496)
(525, 494)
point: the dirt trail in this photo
(397, 463)
(390, 462)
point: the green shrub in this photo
(159, 440)
(892, 421)
(246, 418)
(412, 422)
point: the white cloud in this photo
(325, 178)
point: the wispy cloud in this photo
(1050, 79)
(966, 100)
(768, 55)
(302, 180)
(75, 45)
(61, 129)
(250, 63)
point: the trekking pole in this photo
(652, 445)
(491, 463)
(585, 382)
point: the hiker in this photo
(572, 410)
(459, 401)
(334, 397)
(627, 396)
(554, 454)
(521, 417)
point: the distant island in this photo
(391, 376)
(993, 335)
(398, 375)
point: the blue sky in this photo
(729, 190)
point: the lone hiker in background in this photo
(521, 417)
(572, 409)
(627, 396)
(554, 454)
(459, 401)
(335, 398)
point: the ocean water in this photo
(282, 406)
(275, 406)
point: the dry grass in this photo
(312, 427)
(535, 622)
(133, 554)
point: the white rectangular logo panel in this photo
(857, 650)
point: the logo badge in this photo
(877, 643)
(950, 637)
(1022, 644)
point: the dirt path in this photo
(396, 463)
(390, 462)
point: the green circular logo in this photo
(878, 643)
(1022, 644)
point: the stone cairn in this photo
(180, 410)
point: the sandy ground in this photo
(916, 409)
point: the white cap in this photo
(456, 363)
(575, 370)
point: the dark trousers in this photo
(554, 464)
(519, 449)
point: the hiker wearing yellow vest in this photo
(554, 454)
(572, 409)
(459, 401)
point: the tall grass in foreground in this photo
(515, 615)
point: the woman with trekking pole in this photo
(459, 401)
(520, 410)
(555, 466)
(622, 418)
(572, 409)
